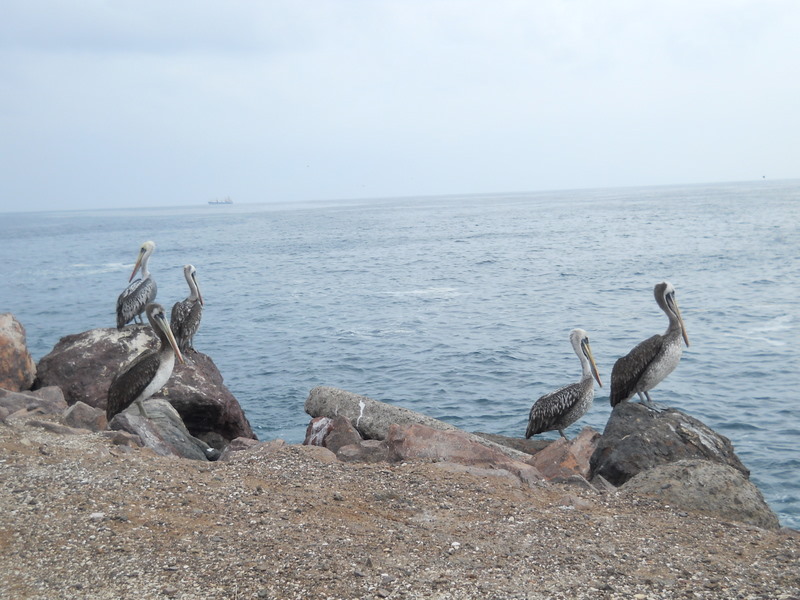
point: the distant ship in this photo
(225, 201)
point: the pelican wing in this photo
(628, 369)
(129, 383)
(548, 410)
(185, 321)
(133, 299)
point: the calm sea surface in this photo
(458, 307)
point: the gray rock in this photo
(17, 369)
(83, 366)
(707, 487)
(47, 401)
(162, 430)
(636, 439)
(371, 418)
(243, 444)
(58, 428)
(83, 416)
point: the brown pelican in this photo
(186, 314)
(560, 409)
(651, 361)
(140, 293)
(149, 371)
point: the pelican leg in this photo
(561, 431)
(142, 411)
(648, 402)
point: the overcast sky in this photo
(137, 103)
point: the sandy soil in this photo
(81, 517)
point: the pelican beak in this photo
(680, 320)
(138, 264)
(199, 295)
(588, 349)
(164, 324)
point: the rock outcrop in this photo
(564, 459)
(705, 487)
(416, 441)
(668, 455)
(83, 366)
(162, 430)
(370, 417)
(636, 439)
(46, 401)
(83, 416)
(17, 369)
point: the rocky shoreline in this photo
(378, 508)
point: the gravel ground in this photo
(83, 518)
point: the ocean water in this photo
(457, 307)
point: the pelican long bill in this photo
(163, 324)
(138, 263)
(588, 351)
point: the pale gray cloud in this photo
(163, 103)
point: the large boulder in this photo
(162, 430)
(83, 366)
(706, 487)
(636, 439)
(370, 417)
(17, 369)
(416, 441)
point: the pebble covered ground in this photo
(83, 518)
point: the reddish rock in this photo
(196, 389)
(565, 458)
(331, 433)
(369, 451)
(84, 364)
(317, 430)
(83, 416)
(408, 442)
(17, 369)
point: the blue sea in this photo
(458, 307)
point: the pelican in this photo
(560, 409)
(140, 293)
(186, 314)
(647, 364)
(149, 371)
